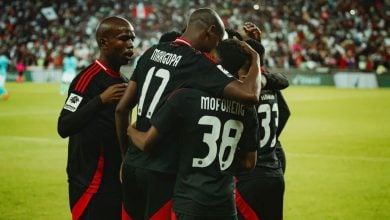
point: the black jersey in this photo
(267, 160)
(93, 151)
(208, 130)
(160, 70)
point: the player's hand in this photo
(113, 93)
(131, 129)
(252, 31)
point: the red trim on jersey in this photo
(88, 80)
(109, 71)
(125, 215)
(164, 213)
(208, 56)
(173, 215)
(80, 206)
(243, 207)
(183, 41)
(85, 78)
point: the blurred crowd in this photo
(305, 34)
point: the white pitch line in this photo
(336, 157)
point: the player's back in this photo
(168, 66)
(160, 70)
(210, 131)
(268, 114)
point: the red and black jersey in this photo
(93, 151)
(208, 131)
(159, 71)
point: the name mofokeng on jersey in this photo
(223, 105)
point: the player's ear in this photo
(209, 30)
(102, 42)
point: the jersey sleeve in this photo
(78, 110)
(250, 137)
(275, 81)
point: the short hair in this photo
(206, 17)
(232, 55)
(107, 25)
(169, 36)
(233, 33)
(257, 46)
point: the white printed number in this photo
(227, 143)
(160, 73)
(266, 123)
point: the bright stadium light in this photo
(352, 12)
(256, 6)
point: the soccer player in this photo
(208, 131)
(87, 118)
(277, 82)
(70, 68)
(159, 71)
(268, 181)
(259, 194)
(4, 62)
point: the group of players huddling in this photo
(204, 144)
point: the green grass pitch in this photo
(337, 143)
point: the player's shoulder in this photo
(83, 80)
(185, 93)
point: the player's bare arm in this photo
(143, 140)
(123, 116)
(246, 161)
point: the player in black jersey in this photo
(87, 118)
(160, 70)
(259, 194)
(277, 83)
(208, 131)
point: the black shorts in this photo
(98, 206)
(180, 216)
(260, 198)
(147, 194)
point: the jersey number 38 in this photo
(227, 142)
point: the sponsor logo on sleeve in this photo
(224, 71)
(73, 102)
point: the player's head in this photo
(232, 56)
(114, 36)
(169, 36)
(204, 30)
(258, 47)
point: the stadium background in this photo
(337, 141)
